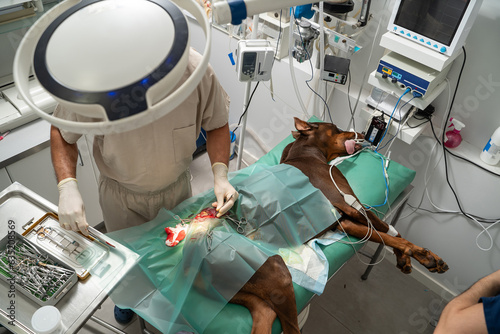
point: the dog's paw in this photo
(441, 267)
(431, 261)
(403, 261)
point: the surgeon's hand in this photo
(224, 192)
(71, 207)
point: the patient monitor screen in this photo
(435, 19)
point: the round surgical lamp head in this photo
(116, 62)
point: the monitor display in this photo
(435, 19)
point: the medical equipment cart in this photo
(22, 207)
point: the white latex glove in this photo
(71, 207)
(224, 192)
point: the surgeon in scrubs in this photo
(144, 170)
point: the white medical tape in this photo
(392, 231)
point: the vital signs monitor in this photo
(441, 25)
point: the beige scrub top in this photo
(152, 157)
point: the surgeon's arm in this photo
(218, 146)
(464, 314)
(64, 155)
(64, 159)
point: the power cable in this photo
(246, 108)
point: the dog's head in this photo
(331, 140)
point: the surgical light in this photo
(116, 62)
(235, 11)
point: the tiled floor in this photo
(389, 302)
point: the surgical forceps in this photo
(32, 270)
(240, 224)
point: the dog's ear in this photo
(304, 127)
(295, 134)
(301, 125)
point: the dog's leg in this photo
(357, 216)
(262, 314)
(378, 223)
(272, 284)
(402, 259)
(427, 258)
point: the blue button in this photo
(428, 43)
(422, 40)
(443, 49)
(435, 45)
(415, 37)
(395, 28)
(402, 31)
(408, 34)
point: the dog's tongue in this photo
(349, 146)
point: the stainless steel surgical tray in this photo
(25, 207)
(20, 269)
(80, 252)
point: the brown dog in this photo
(269, 293)
(317, 143)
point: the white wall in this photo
(451, 236)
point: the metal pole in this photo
(144, 330)
(246, 99)
(107, 326)
(241, 142)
